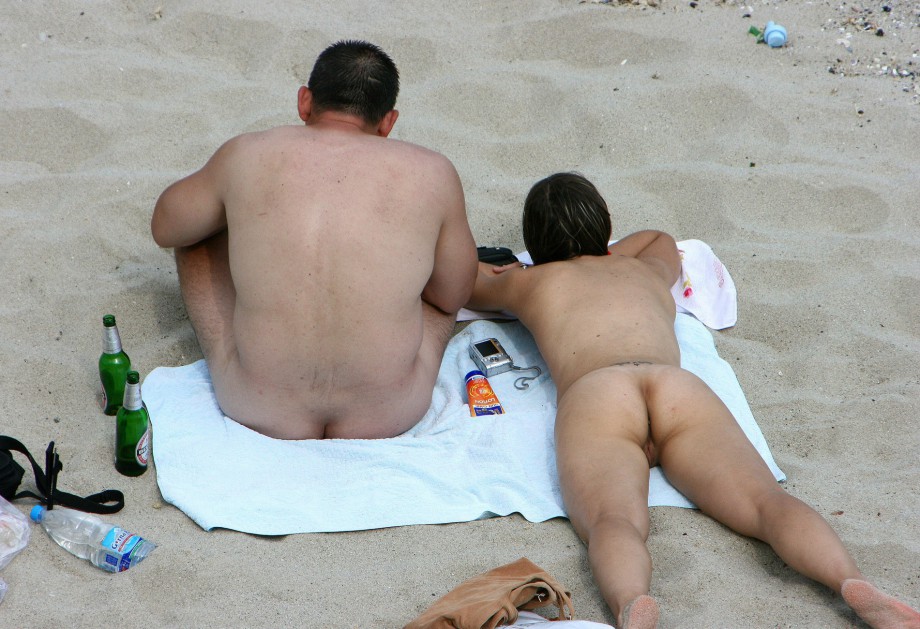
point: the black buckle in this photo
(52, 467)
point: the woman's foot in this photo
(879, 610)
(640, 613)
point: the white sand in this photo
(804, 181)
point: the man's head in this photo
(354, 77)
(565, 217)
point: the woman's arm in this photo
(655, 248)
(496, 287)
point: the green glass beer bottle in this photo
(132, 431)
(113, 366)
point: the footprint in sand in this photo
(53, 137)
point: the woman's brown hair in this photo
(565, 217)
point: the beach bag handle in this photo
(11, 473)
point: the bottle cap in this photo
(36, 513)
(108, 320)
(473, 373)
(774, 35)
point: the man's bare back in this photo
(349, 255)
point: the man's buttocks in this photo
(311, 395)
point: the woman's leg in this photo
(601, 431)
(705, 455)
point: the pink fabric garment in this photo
(493, 599)
(705, 289)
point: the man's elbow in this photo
(159, 222)
(159, 230)
(466, 295)
(453, 295)
(467, 281)
(164, 232)
(448, 304)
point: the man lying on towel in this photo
(305, 336)
(604, 321)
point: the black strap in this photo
(499, 256)
(10, 475)
(108, 501)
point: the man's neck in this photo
(340, 121)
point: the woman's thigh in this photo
(601, 433)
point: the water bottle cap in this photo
(774, 35)
(36, 513)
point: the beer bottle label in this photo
(142, 452)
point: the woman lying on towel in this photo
(604, 321)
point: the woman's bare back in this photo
(595, 312)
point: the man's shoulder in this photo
(418, 152)
(420, 164)
(251, 140)
(270, 134)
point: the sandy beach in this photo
(797, 165)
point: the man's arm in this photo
(655, 248)
(192, 209)
(454, 271)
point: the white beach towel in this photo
(531, 620)
(705, 289)
(448, 468)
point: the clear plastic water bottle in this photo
(106, 546)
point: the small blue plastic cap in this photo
(774, 35)
(36, 513)
(475, 372)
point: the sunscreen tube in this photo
(483, 400)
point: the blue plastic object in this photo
(774, 35)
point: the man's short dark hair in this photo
(354, 77)
(565, 217)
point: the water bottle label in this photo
(119, 543)
(142, 452)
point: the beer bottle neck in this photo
(132, 401)
(111, 341)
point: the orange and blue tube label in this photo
(482, 398)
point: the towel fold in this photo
(449, 468)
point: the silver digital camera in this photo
(490, 357)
